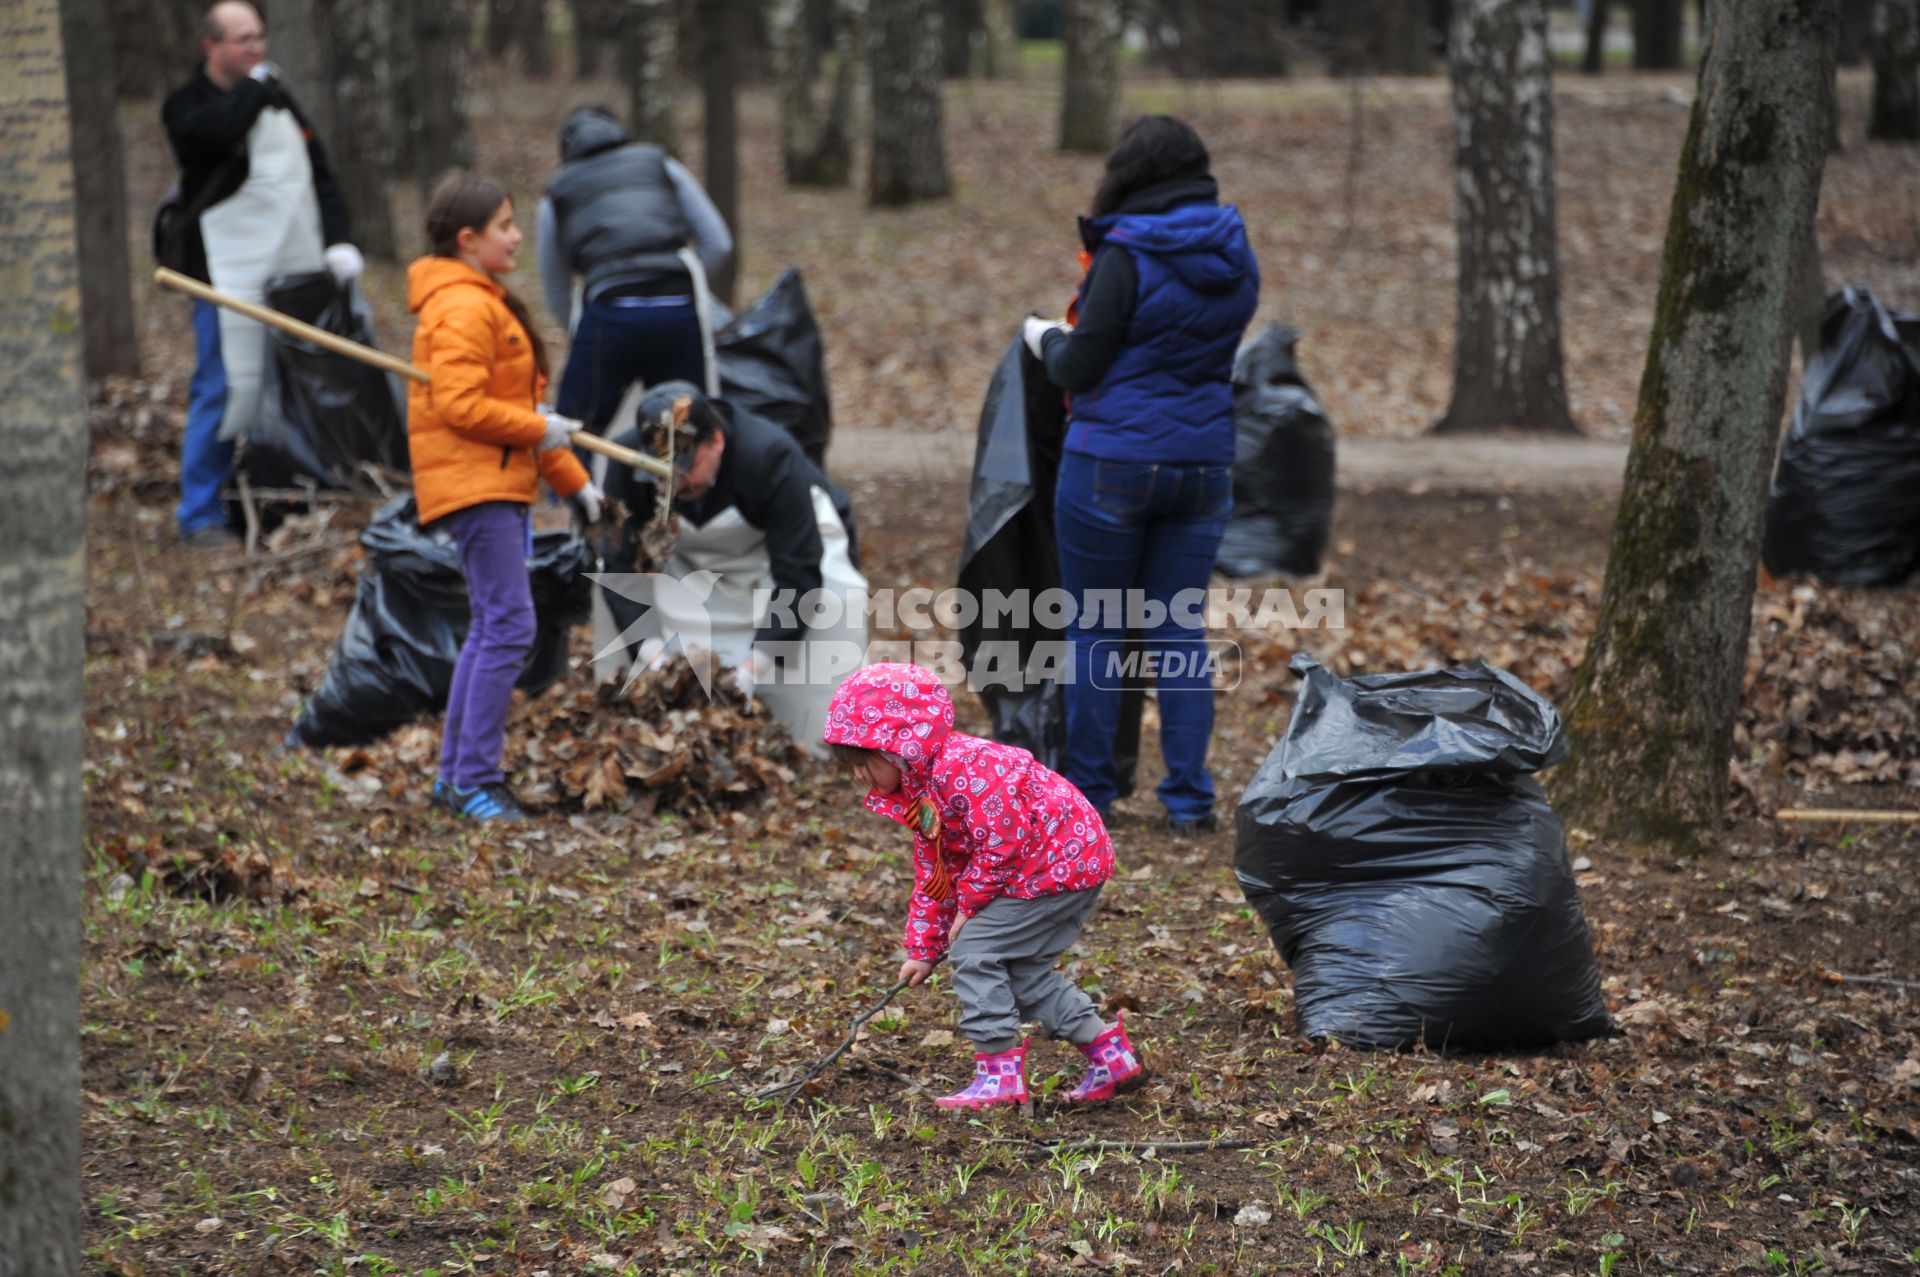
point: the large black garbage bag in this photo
(772, 363)
(1409, 869)
(395, 658)
(321, 413)
(1282, 464)
(1845, 504)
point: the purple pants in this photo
(493, 555)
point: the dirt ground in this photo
(327, 1031)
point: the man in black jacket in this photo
(256, 200)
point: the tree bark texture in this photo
(1400, 41)
(299, 41)
(720, 133)
(1507, 367)
(1657, 26)
(959, 19)
(1001, 18)
(909, 157)
(1214, 38)
(156, 44)
(1090, 75)
(42, 644)
(812, 37)
(365, 148)
(439, 134)
(649, 43)
(1856, 30)
(520, 27)
(1652, 708)
(109, 342)
(1594, 60)
(596, 32)
(1895, 116)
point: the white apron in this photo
(269, 227)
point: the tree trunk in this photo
(720, 79)
(1090, 75)
(43, 433)
(649, 41)
(156, 44)
(959, 19)
(298, 40)
(364, 148)
(532, 38)
(1856, 30)
(596, 31)
(1001, 18)
(1594, 61)
(909, 160)
(1507, 369)
(1400, 44)
(1652, 709)
(100, 194)
(817, 145)
(439, 134)
(1657, 34)
(1895, 116)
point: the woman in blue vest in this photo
(1146, 481)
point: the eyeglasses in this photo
(245, 41)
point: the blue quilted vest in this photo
(1169, 395)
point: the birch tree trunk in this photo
(1507, 368)
(817, 143)
(649, 37)
(1657, 27)
(439, 134)
(1895, 116)
(1652, 708)
(365, 149)
(110, 343)
(1090, 75)
(909, 160)
(42, 646)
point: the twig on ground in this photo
(1840, 977)
(869, 1062)
(1154, 1147)
(1437, 1213)
(787, 1088)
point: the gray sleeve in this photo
(711, 239)
(556, 281)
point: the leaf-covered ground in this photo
(327, 1031)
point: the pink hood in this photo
(900, 709)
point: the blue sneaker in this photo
(441, 799)
(490, 804)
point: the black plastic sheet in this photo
(1845, 505)
(773, 363)
(395, 658)
(321, 413)
(1411, 872)
(1282, 464)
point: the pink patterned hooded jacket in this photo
(988, 819)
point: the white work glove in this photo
(344, 263)
(265, 72)
(589, 503)
(1035, 331)
(559, 430)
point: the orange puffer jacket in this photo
(472, 431)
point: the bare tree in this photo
(439, 136)
(1594, 60)
(1895, 116)
(1652, 710)
(365, 148)
(596, 31)
(1657, 27)
(1001, 20)
(959, 20)
(100, 193)
(1090, 75)
(1507, 366)
(909, 157)
(42, 613)
(302, 46)
(649, 44)
(720, 79)
(812, 38)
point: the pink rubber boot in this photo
(997, 1079)
(1113, 1066)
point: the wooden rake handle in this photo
(379, 359)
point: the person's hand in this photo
(915, 972)
(589, 503)
(1034, 333)
(559, 430)
(953, 933)
(265, 72)
(344, 263)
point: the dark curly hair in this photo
(1154, 148)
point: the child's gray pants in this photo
(1003, 970)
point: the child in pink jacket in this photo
(1008, 861)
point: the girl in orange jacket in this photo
(480, 442)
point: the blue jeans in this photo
(1153, 528)
(649, 340)
(206, 460)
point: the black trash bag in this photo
(772, 363)
(1845, 504)
(1010, 546)
(395, 658)
(1411, 873)
(1282, 465)
(321, 413)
